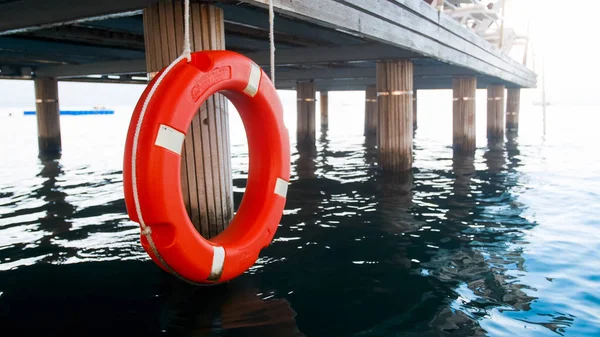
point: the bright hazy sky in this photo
(562, 34)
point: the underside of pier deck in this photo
(336, 43)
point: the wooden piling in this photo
(305, 132)
(206, 179)
(324, 109)
(395, 113)
(463, 113)
(48, 117)
(415, 110)
(371, 111)
(495, 112)
(513, 105)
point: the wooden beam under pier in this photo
(367, 70)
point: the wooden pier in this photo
(389, 48)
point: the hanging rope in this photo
(272, 39)
(187, 49)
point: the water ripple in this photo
(501, 243)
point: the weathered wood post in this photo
(415, 110)
(48, 117)
(371, 111)
(395, 111)
(324, 109)
(463, 122)
(305, 132)
(495, 112)
(513, 105)
(206, 180)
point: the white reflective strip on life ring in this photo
(217, 263)
(169, 139)
(281, 187)
(253, 81)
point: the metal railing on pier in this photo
(486, 19)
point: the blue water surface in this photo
(502, 243)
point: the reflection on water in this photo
(452, 247)
(236, 307)
(57, 221)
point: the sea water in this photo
(502, 243)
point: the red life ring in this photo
(175, 99)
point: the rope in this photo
(187, 49)
(146, 230)
(272, 39)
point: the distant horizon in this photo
(20, 94)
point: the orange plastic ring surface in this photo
(166, 121)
